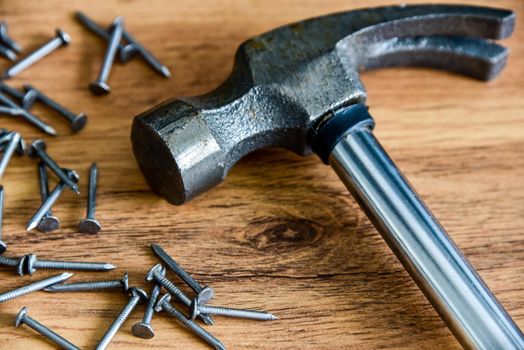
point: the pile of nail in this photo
(197, 307)
(28, 264)
(43, 219)
(120, 41)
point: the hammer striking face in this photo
(298, 87)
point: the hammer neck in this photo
(343, 122)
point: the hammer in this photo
(298, 87)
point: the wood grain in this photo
(281, 233)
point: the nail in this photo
(143, 328)
(50, 200)
(197, 309)
(22, 318)
(32, 263)
(38, 150)
(3, 246)
(122, 284)
(204, 294)
(10, 111)
(157, 273)
(19, 263)
(135, 46)
(33, 287)
(7, 53)
(61, 39)
(32, 119)
(76, 121)
(6, 39)
(49, 222)
(11, 91)
(90, 224)
(100, 86)
(97, 29)
(12, 262)
(164, 305)
(5, 137)
(8, 153)
(137, 295)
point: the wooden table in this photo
(281, 233)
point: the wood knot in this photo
(277, 234)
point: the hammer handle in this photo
(422, 245)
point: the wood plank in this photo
(281, 233)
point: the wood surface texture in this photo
(282, 233)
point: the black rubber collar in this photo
(337, 127)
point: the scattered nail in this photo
(50, 200)
(49, 222)
(76, 121)
(8, 152)
(6, 39)
(38, 150)
(157, 273)
(164, 305)
(122, 284)
(204, 294)
(90, 224)
(33, 287)
(3, 245)
(61, 39)
(32, 119)
(22, 318)
(137, 295)
(100, 86)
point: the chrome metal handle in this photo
(438, 267)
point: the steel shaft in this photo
(63, 343)
(435, 263)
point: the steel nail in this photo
(49, 222)
(122, 284)
(6, 39)
(97, 29)
(157, 273)
(197, 308)
(22, 318)
(8, 153)
(33, 287)
(204, 294)
(7, 53)
(38, 150)
(100, 86)
(13, 92)
(61, 39)
(143, 328)
(32, 263)
(50, 200)
(3, 245)
(164, 305)
(135, 46)
(12, 262)
(90, 224)
(10, 111)
(34, 120)
(29, 99)
(137, 295)
(76, 121)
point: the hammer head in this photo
(287, 82)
